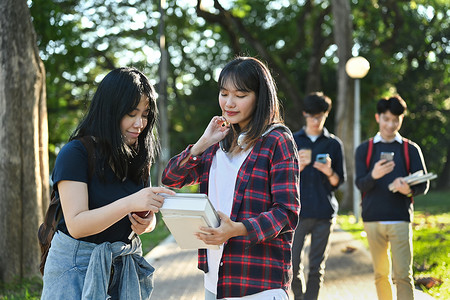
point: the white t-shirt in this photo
(313, 138)
(222, 181)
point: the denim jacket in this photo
(81, 270)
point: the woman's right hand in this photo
(216, 131)
(149, 199)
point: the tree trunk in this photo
(24, 180)
(344, 108)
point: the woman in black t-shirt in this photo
(99, 228)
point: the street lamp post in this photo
(357, 68)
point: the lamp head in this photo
(357, 67)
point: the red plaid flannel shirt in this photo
(266, 201)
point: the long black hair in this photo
(249, 74)
(118, 94)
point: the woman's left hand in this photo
(221, 234)
(142, 225)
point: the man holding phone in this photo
(322, 170)
(387, 215)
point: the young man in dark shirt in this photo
(322, 170)
(387, 214)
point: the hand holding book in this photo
(143, 202)
(226, 230)
(184, 214)
(415, 178)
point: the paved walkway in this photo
(348, 276)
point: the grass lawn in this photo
(29, 289)
(431, 239)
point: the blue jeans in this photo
(320, 230)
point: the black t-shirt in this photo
(72, 164)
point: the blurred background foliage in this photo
(406, 43)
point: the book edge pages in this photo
(205, 211)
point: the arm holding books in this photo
(419, 181)
(411, 180)
(401, 186)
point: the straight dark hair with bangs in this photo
(316, 103)
(118, 94)
(249, 74)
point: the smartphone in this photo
(388, 156)
(322, 158)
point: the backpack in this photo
(405, 154)
(54, 212)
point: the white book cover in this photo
(184, 213)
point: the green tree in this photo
(79, 42)
(407, 43)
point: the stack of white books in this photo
(184, 214)
(415, 178)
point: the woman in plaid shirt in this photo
(247, 163)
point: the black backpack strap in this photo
(50, 219)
